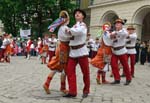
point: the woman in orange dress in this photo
(59, 62)
(103, 55)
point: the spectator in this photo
(143, 53)
(32, 50)
(137, 47)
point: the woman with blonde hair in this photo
(59, 62)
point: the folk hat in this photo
(81, 11)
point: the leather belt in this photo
(52, 46)
(65, 42)
(130, 47)
(118, 48)
(78, 46)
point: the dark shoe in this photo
(111, 75)
(127, 82)
(85, 95)
(133, 76)
(69, 95)
(116, 82)
(122, 75)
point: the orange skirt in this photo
(8, 50)
(44, 49)
(98, 60)
(60, 60)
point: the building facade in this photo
(84, 5)
(137, 13)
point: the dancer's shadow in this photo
(40, 94)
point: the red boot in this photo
(46, 85)
(104, 81)
(98, 77)
(63, 88)
(7, 59)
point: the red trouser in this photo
(132, 62)
(93, 54)
(71, 74)
(114, 64)
(51, 54)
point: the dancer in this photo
(95, 47)
(52, 46)
(44, 51)
(103, 56)
(131, 41)
(6, 49)
(78, 54)
(29, 42)
(59, 62)
(119, 52)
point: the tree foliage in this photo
(34, 14)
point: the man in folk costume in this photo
(103, 54)
(89, 43)
(52, 46)
(130, 45)
(44, 50)
(119, 52)
(59, 62)
(29, 42)
(95, 47)
(78, 54)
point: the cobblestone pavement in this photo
(21, 82)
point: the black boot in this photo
(127, 82)
(69, 95)
(116, 82)
(85, 95)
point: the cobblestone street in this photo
(21, 82)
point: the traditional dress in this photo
(89, 43)
(39, 46)
(29, 42)
(119, 52)
(78, 54)
(60, 60)
(44, 51)
(52, 47)
(6, 50)
(95, 47)
(103, 56)
(131, 41)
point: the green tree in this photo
(34, 14)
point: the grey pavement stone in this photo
(21, 82)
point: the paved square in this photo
(21, 82)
